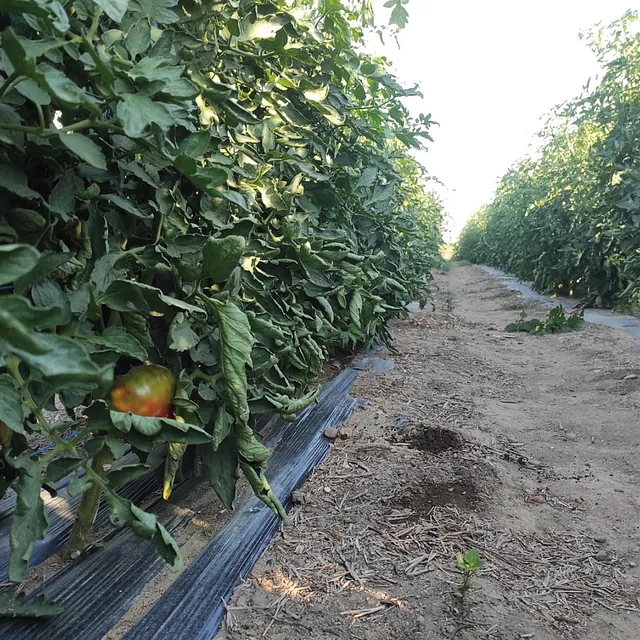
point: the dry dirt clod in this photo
(600, 539)
(538, 499)
(331, 433)
(345, 433)
(601, 556)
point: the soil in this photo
(522, 447)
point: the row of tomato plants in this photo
(568, 218)
(202, 200)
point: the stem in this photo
(45, 133)
(89, 506)
(94, 24)
(40, 117)
(13, 364)
(9, 83)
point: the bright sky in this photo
(489, 71)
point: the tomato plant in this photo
(223, 189)
(569, 219)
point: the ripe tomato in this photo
(145, 391)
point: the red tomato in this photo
(145, 391)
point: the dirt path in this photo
(523, 447)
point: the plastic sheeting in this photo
(61, 513)
(623, 322)
(101, 586)
(193, 607)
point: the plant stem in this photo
(89, 506)
(44, 133)
(9, 83)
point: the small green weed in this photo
(556, 322)
(469, 563)
(449, 302)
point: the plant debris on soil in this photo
(520, 448)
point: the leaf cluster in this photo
(556, 322)
(223, 188)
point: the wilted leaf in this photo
(222, 465)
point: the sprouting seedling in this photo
(469, 564)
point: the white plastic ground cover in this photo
(620, 321)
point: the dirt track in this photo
(522, 447)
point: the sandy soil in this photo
(522, 447)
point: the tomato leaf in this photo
(29, 521)
(236, 342)
(16, 260)
(222, 466)
(16, 607)
(11, 412)
(85, 148)
(221, 256)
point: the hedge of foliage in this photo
(569, 219)
(224, 188)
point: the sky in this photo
(490, 71)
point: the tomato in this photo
(145, 391)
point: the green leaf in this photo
(63, 196)
(15, 180)
(260, 29)
(29, 520)
(196, 144)
(9, 115)
(236, 343)
(158, 10)
(355, 308)
(137, 112)
(221, 256)
(16, 260)
(145, 525)
(65, 91)
(31, 90)
(139, 37)
(255, 475)
(119, 340)
(171, 466)
(234, 197)
(399, 15)
(125, 474)
(318, 94)
(59, 358)
(248, 446)
(126, 205)
(48, 294)
(16, 607)
(154, 429)
(32, 317)
(182, 336)
(60, 468)
(11, 412)
(222, 466)
(115, 9)
(136, 297)
(85, 148)
(47, 264)
(221, 427)
(13, 47)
